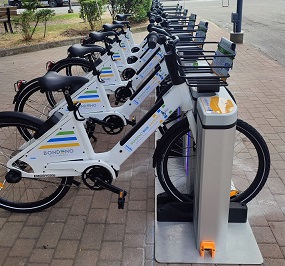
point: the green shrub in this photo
(30, 5)
(91, 11)
(23, 23)
(32, 17)
(137, 8)
(43, 15)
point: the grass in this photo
(60, 27)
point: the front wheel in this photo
(251, 162)
(24, 194)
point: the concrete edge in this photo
(47, 45)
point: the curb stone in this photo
(47, 45)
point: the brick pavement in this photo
(86, 228)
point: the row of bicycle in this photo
(47, 140)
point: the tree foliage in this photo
(28, 21)
(91, 11)
(137, 8)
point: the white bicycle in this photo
(37, 173)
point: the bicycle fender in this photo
(23, 88)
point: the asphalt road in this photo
(263, 21)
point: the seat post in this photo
(70, 105)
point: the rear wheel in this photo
(72, 67)
(25, 194)
(30, 100)
(251, 162)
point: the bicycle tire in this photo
(65, 65)
(251, 139)
(31, 101)
(28, 194)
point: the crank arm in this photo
(122, 193)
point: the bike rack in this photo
(209, 229)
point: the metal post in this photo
(70, 10)
(239, 12)
(237, 34)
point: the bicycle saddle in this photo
(52, 81)
(116, 22)
(100, 36)
(110, 27)
(78, 50)
(122, 16)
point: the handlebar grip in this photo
(151, 19)
(152, 40)
(161, 31)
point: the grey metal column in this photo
(215, 149)
(237, 34)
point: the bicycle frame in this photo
(95, 103)
(110, 74)
(65, 149)
(94, 100)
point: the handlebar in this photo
(152, 40)
(161, 31)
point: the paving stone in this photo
(149, 252)
(18, 217)
(66, 249)
(4, 253)
(276, 186)
(37, 219)
(115, 215)
(114, 232)
(139, 183)
(136, 222)
(138, 194)
(136, 205)
(256, 216)
(263, 235)
(86, 258)
(278, 229)
(12, 261)
(101, 199)
(274, 262)
(134, 240)
(97, 216)
(2, 221)
(73, 228)
(270, 251)
(41, 255)
(81, 205)
(133, 257)
(31, 232)
(111, 251)
(50, 235)
(108, 263)
(57, 262)
(9, 233)
(58, 214)
(22, 247)
(92, 237)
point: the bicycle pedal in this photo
(122, 193)
(121, 199)
(132, 122)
